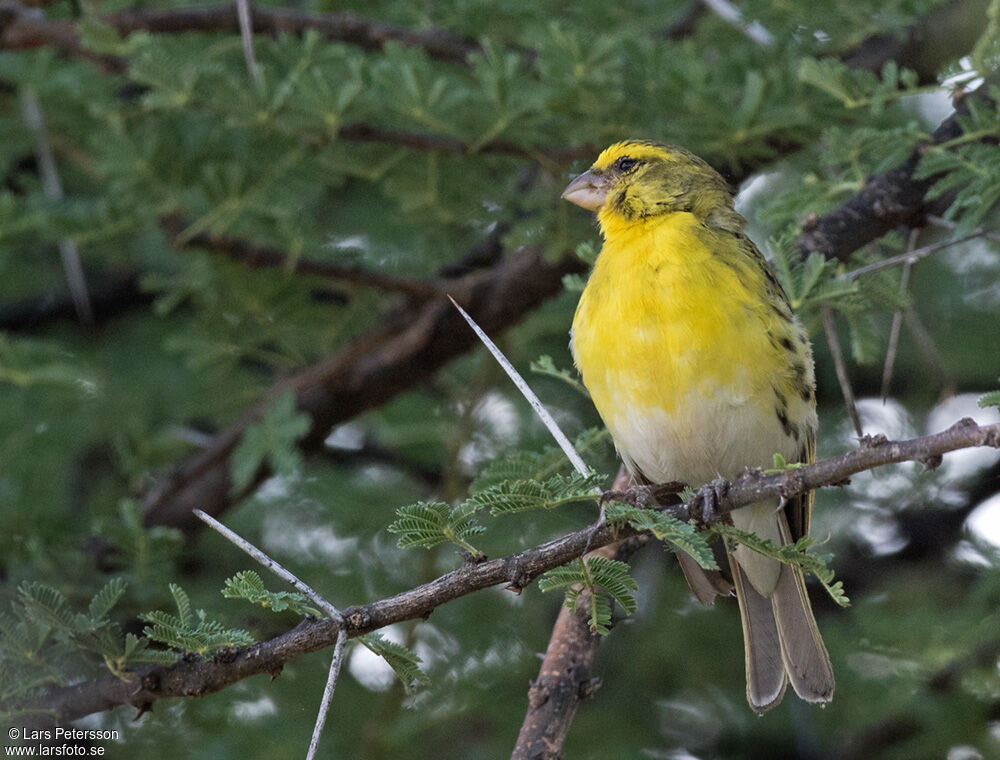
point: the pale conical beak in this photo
(589, 190)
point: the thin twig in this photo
(830, 328)
(333, 612)
(331, 684)
(897, 320)
(52, 186)
(202, 677)
(928, 348)
(912, 256)
(246, 35)
(269, 563)
(940, 221)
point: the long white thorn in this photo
(536, 404)
(331, 684)
(270, 564)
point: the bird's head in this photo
(635, 180)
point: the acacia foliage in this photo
(90, 419)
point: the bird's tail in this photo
(781, 641)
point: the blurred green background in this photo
(434, 154)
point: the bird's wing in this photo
(798, 510)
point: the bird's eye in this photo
(626, 163)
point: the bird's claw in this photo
(709, 496)
(637, 496)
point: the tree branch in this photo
(889, 200)
(22, 28)
(566, 676)
(197, 678)
(409, 345)
(257, 256)
(31, 30)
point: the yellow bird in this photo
(699, 369)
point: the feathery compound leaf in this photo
(615, 578)
(184, 612)
(790, 554)
(544, 365)
(990, 399)
(189, 631)
(678, 534)
(272, 440)
(428, 524)
(405, 663)
(856, 88)
(47, 605)
(602, 578)
(540, 465)
(969, 170)
(561, 577)
(511, 496)
(248, 585)
(105, 599)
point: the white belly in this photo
(702, 439)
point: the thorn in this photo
(830, 328)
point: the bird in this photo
(691, 353)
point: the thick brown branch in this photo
(25, 28)
(198, 678)
(889, 200)
(943, 34)
(566, 676)
(32, 30)
(409, 345)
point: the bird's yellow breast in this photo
(681, 349)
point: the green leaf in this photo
(545, 366)
(105, 599)
(429, 524)
(249, 586)
(790, 554)
(679, 535)
(30, 363)
(511, 496)
(603, 578)
(47, 605)
(992, 398)
(856, 88)
(781, 465)
(531, 465)
(405, 663)
(190, 631)
(271, 441)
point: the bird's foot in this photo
(709, 497)
(636, 496)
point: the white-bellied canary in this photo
(695, 362)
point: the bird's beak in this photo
(588, 190)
